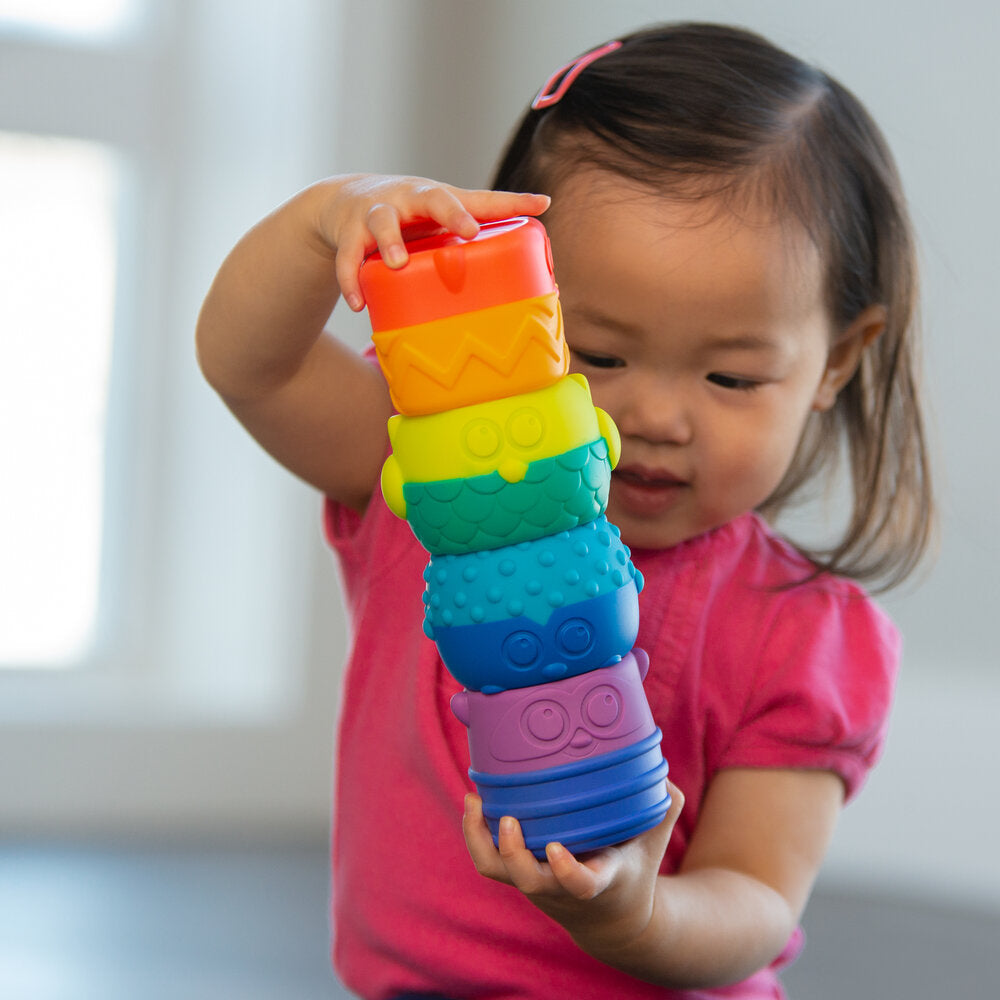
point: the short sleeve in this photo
(823, 687)
(357, 538)
(340, 523)
(346, 531)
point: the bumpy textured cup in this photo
(503, 350)
(527, 579)
(534, 612)
(504, 436)
(486, 512)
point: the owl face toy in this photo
(562, 722)
(502, 436)
(576, 761)
(536, 611)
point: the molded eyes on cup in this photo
(525, 427)
(575, 636)
(546, 720)
(482, 438)
(602, 707)
(522, 650)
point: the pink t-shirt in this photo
(742, 674)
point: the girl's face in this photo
(703, 334)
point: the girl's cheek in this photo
(605, 397)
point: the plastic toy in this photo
(484, 512)
(536, 611)
(501, 465)
(576, 760)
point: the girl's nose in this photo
(656, 410)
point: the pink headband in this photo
(565, 75)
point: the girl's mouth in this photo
(646, 492)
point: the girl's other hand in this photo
(604, 901)
(360, 213)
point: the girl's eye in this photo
(732, 382)
(597, 360)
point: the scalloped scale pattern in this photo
(453, 516)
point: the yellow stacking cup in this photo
(503, 436)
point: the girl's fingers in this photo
(427, 209)
(458, 209)
(447, 208)
(417, 211)
(513, 864)
(673, 813)
(521, 865)
(385, 225)
(487, 205)
(415, 208)
(479, 841)
(346, 268)
(578, 879)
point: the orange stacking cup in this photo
(467, 321)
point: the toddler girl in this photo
(736, 274)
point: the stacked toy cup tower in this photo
(501, 465)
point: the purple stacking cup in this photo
(575, 760)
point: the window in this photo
(58, 200)
(77, 19)
(131, 530)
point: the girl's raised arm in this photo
(312, 402)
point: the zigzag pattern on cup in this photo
(504, 350)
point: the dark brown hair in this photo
(696, 109)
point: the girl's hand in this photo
(362, 212)
(605, 901)
(314, 403)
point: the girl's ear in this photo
(845, 355)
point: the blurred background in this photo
(171, 632)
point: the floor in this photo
(130, 923)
